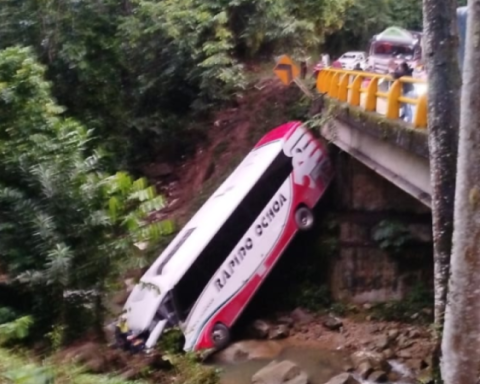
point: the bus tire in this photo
(220, 336)
(304, 218)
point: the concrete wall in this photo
(362, 271)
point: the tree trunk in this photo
(461, 337)
(441, 46)
(440, 50)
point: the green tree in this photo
(66, 225)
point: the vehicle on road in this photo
(351, 60)
(207, 275)
(392, 47)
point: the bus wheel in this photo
(304, 218)
(220, 336)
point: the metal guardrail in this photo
(346, 86)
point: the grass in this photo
(19, 368)
(190, 371)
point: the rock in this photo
(281, 331)
(287, 320)
(416, 364)
(388, 354)
(393, 334)
(378, 377)
(260, 329)
(381, 342)
(332, 323)
(344, 378)
(427, 311)
(367, 306)
(404, 343)
(239, 356)
(248, 350)
(414, 334)
(284, 372)
(364, 369)
(301, 316)
(376, 360)
(404, 354)
(394, 377)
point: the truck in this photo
(393, 46)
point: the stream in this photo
(320, 365)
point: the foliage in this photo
(172, 341)
(366, 18)
(391, 235)
(7, 314)
(17, 329)
(190, 371)
(362, 20)
(415, 307)
(133, 71)
(311, 296)
(18, 369)
(67, 226)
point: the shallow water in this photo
(320, 365)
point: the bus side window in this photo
(190, 287)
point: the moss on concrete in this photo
(394, 131)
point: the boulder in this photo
(344, 378)
(284, 372)
(414, 334)
(376, 360)
(364, 369)
(393, 334)
(301, 316)
(403, 342)
(378, 377)
(248, 350)
(389, 354)
(260, 329)
(381, 342)
(404, 354)
(286, 320)
(416, 364)
(394, 376)
(281, 331)
(332, 323)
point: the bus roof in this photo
(197, 233)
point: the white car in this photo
(350, 60)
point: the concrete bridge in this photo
(363, 113)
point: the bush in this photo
(172, 341)
(412, 306)
(7, 314)
(190, 371)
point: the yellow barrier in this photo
(346, 86)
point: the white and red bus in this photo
(208, 274)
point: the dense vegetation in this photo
(90, 88)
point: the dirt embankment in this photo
(231, 134)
